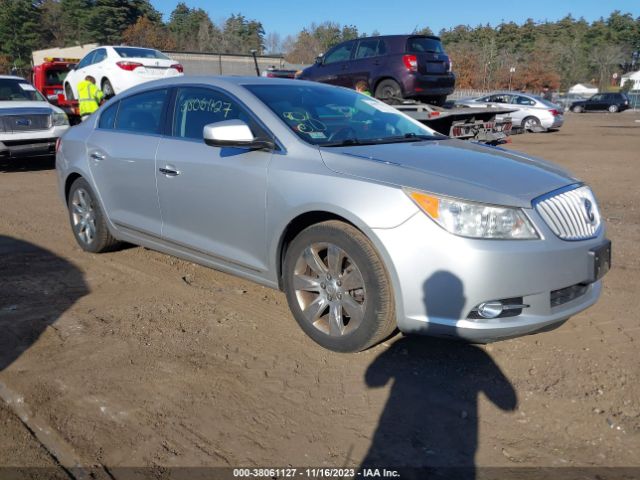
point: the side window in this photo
(86, 61)
(597, 98)
(340, 54)
(101, 54)
(142, 113)
(500, 98)
(382, 47)
(108, 117)
(367, 48)
(524, 101)
(199, 106)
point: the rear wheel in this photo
(577, 109)
(87, 219)
(613, 108)
(530, 124)
(107, 88)
(337, 287)
(389, 91)
(68, 91)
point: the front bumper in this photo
(30, 144)
(439, 278)
(429, 85)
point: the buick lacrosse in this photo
(366, 219)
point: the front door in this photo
(597, 102)
(212, 199)
(122, 160)
(335, 67)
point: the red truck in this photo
(48, 78)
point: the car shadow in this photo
(27, 164)
(429, 425)
(36, 288)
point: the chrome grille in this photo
(571, 214)
(26, 123)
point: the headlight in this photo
(475, 220)
(59, 118)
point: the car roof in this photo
(220, 81)
(394, 37)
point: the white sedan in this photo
(532, 113)
(119, 68)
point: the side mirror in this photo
(233, 133)
(319, 60)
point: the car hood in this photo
(453, 168)
(13, 107)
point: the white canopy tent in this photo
(583, 89)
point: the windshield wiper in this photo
(344, 143)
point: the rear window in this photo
(424, 44)
(14, 89)
(55, 77)
(131, 52)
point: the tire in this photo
(364, 314)
(107, 88)
(577, 109)
(68, 91)
(388, 90)
(613, 108)
(529, 123)
(87, 219)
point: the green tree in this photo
(19, 31)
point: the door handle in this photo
(97, 156)
(169, 171)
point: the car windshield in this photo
(131, 52)
(19, 90)
(330, 116)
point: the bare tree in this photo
(272, 43)
(605, 58)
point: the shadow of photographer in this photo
(429, 425)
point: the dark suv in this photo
(394, 66)
(612, 102)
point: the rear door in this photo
(335, 68)
(366, 59)
(430, 55)
(122, 153)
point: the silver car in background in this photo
(366, 219)
(532, 113)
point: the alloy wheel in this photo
(83, 216)
(330, 289)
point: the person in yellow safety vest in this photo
(89, 97)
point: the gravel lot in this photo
(135, 358)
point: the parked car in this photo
(612, 102)
(29, 125)
(394, 66)
(119, 68)
(368, 220)
(531, 112)
(273, 72)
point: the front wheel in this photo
(68, 91)
(87, 219)
(337, 287)
(613, 108)
(107, 88)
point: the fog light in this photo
(490, 309)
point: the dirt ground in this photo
(136, 358)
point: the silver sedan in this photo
(366, 219)
(532, 113)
